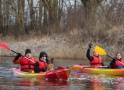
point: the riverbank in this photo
(70, 45)
(55, 46)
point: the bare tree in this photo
(5, 15)
(18, 10)
(60, 9)
(0, 16)
(45, 18)
(52, 7)
(40, 13)
(21, 6)
(91, 7)
(32, 13)
(75, 5)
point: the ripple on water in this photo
(99, 82)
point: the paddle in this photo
(6, 47)
(77, 67)
(101, 51)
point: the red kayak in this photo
(61, 73)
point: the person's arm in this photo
(17, 59)
(88, 55)
(37, 70)
(36, 67)
(112, 63)
(103, 64)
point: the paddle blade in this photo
(4, 46)
(100, 50)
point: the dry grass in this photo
(71, 45)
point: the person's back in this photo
(95, 60)
(26, 62)
(117, 62)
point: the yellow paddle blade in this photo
(99, 50)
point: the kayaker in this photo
(117, 62)
(26, 62)
(95, 60)
(42, 63)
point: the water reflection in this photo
(119, 83)
(35, 83)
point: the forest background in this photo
(62, 28)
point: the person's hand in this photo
(114, 59)
(90, 45)
(18, 55)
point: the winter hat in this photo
(43, 53)
(27, 51)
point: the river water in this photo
(75, 81)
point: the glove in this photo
(114, 59)
(18, 55)
(90, 45)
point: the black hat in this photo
(43, 53)
(27, 51)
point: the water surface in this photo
(80, 81)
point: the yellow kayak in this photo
(99, 70)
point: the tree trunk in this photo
(60, 9)
(21, 5)
(75, 5)
(52, 7)
(91, 7)
(1, 18)
(5, 13)
(55, 9)
(45, 19)
(40, 14)
(32, 16)
(5, 16)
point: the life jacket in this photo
(118, 63)
(97, 61)
(27, 64)
(42, 65)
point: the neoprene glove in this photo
(90, 45)
(114, 59)
(18, 55)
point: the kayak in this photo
(98, 70)
(62, 73)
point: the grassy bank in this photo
(55, 46)
(72, 44)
